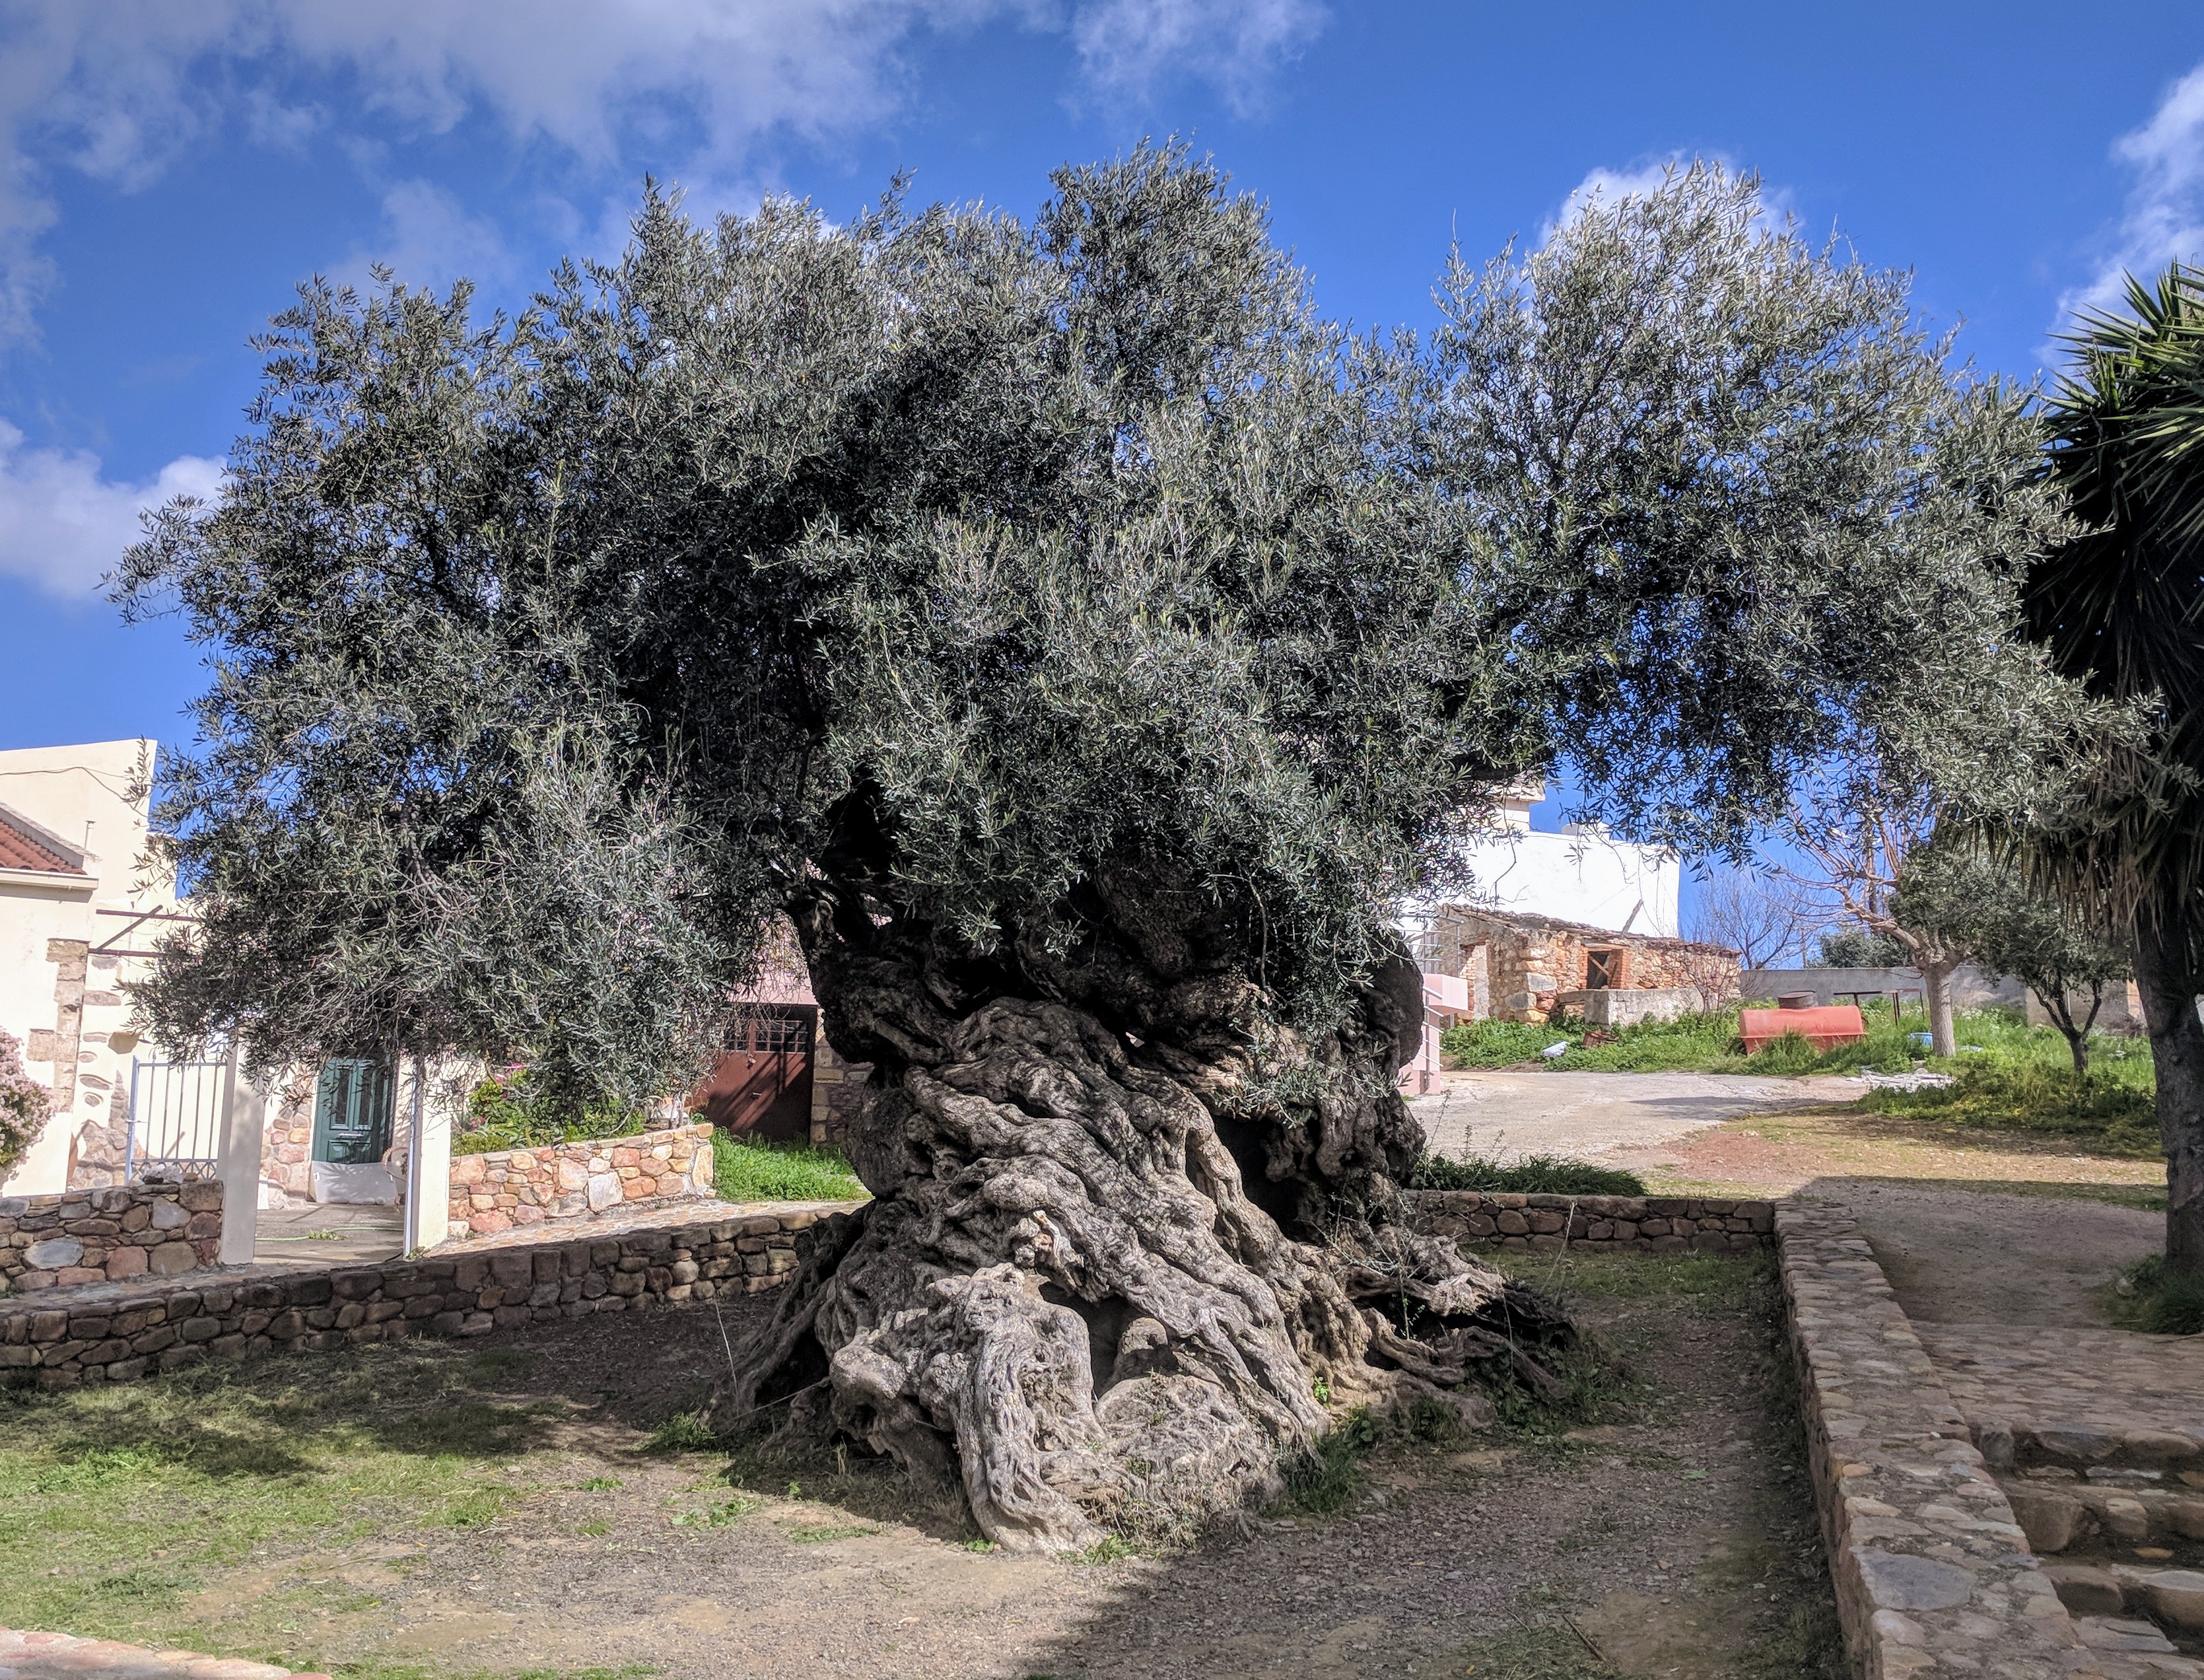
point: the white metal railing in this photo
(175, 1119)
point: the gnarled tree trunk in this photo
(1119, 1260)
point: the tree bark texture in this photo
(1110, 1276)
(2165, 975)
(1936, 995)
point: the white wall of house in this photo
(1582, 875)
(83, 798)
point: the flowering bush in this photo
(22, 1106)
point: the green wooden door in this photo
(354, 1105)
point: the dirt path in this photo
(1679, 1541)
(1593, 1116)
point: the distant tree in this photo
(1863, 947)
(1739, 910)
(2121, 607)
(2040, 943)
(1086, 647)
(23, 1105)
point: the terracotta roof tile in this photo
(25, 845)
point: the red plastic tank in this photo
(1824, 1029)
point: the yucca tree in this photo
(2122, 606)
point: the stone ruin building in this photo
(1516, 967)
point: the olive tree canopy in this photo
(1085, 645)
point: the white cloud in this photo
(1130, 47)
(115, 88)
(429, 240)
(62, 526)
(2164, 214)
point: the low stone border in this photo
(1641, 1224)
(60, 1656)
(1932, 1575)
(106, 1235)
(113, 1335)
(501, 1189)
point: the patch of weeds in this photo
(1110, 1549)
(979, 1544)
(1323, 1476)
(822, 1536)
(718, 1516)
(471, 1508)
(598, 1484)
(2158, 1301)
(327, 1233)
(683, 1432)
(594, 1531)
(1541, 1653)
(1525, 1175)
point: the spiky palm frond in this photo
(2122, 604)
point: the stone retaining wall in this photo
(116, 1335)
(1646, 1224)
(107, 1235)
(1933, 1578)
(506, 1189)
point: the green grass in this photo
(683, 1432)
(2010, 1076)
(122, 1502)
(1526, 1175)
(756, 1171)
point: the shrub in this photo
(2115, 1116)
(748, 1169)
(510, 1111)
(23, 1105)
(1526, 1175)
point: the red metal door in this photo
(761, 1083)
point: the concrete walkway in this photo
(1591, 1116)
(328, 1234)
(57, 1656)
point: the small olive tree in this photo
(1086, 646)
(2040, 943)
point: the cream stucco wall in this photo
(50, 932)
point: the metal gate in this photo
(762, 1084)
(175, 1119)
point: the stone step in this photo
(2058, 1513)
(2098, 1444)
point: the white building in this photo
(72, 889)
(1582, 875)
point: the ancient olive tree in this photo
(1085, 645)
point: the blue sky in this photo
(167, 173)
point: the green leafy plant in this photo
(513, 1110)
(683, 1432)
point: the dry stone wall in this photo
(108, 1235)
(1643, 1224)
(508, 1189)
(119, 1334)
(1935, 1578)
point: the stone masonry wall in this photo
(117, 1335)
(506, 1189)
(108, 1235)
(1933, 1578)
(1647, 1224)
